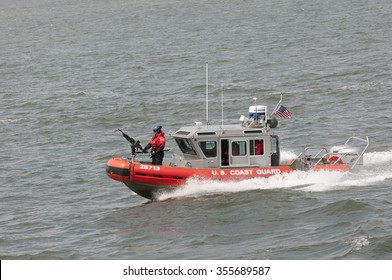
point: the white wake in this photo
(376, 169)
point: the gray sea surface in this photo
(72, 72)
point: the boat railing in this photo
(366, 141)
(312, 156)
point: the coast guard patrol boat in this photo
(247, 149)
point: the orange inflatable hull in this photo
(148, 180)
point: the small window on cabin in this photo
(186, 146)
(208, 148)
(238, 148)
(256, 147)
(274, 145)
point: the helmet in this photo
(157, 128)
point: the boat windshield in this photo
(186, 146)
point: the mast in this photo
(207, 92)
(222, 102)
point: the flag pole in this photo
(277, 105)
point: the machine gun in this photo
(135, 144)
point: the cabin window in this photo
(186, 146)
(238, 148)
(256, 147)
(208, 148)
(275, 153)
(274, 145)
(183, 132)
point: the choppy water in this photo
(74, 71)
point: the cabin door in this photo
(224, 146)
(234, 152)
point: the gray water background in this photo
(72, 72)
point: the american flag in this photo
(283, 112)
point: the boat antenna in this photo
(222, 101)
(256, 116)
(207, 92)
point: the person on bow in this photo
(157, 145)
